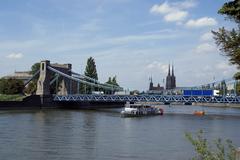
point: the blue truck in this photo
(208, 92)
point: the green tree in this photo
(221, 151)
(32, 86)
(35, 67)
(223, 88)
(109, 80)
(112, 81)
(229, 40)
(237, 88)
(91, 70)
(11, 86)
(237, 76)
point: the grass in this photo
(15, 97)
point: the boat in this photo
(138, 110)
(199, 113)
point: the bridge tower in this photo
(43, 84)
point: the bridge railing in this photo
(147, 98)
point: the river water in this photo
(104, 135)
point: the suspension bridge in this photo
(71, 87)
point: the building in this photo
(24, 76)
(155, 89)
(170, 79)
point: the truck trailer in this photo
(208, 92)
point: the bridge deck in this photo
(147, 98)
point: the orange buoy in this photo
(199, 113)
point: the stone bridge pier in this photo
(43, 84)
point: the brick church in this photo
(170, 82)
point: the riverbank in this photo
(14, 97)
(47, 102)
(22, 103)
(227, 105)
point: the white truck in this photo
(216, 93)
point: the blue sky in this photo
(133, 39)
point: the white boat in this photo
(137, 110)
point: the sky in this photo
(132, 39)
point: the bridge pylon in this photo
(43, 84)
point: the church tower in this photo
(171, 79)
(168, 79)
(173, 85)
(151, 84)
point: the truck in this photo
(207, 92)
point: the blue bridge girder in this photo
(147, 98)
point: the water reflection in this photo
(63, 134)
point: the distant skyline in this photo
(132, 39)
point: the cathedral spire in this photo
(150, 79)
(172, 70)
(151, 84)
(169, 70)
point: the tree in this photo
(35, 67)
(91, 70)
(32, 86)
(11, 86)
(237, 76)
(237, 82)
(229, 41)
(237, 88)
(223, 88)
(223, 151)
(112, 81)
(109, 80)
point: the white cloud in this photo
(176, 16)
(173, 12)
(201, 22)
(225, 68)
(15, 56)
(156, 65)
(162, 9)
(205, 48)
(186, 4)
(207, 37)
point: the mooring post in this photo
(238, 153)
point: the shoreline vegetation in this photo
(218, 150)
(13, 97)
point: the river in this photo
(104, 135)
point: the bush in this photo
(15, 97)
(222, 151)
(11, 86)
